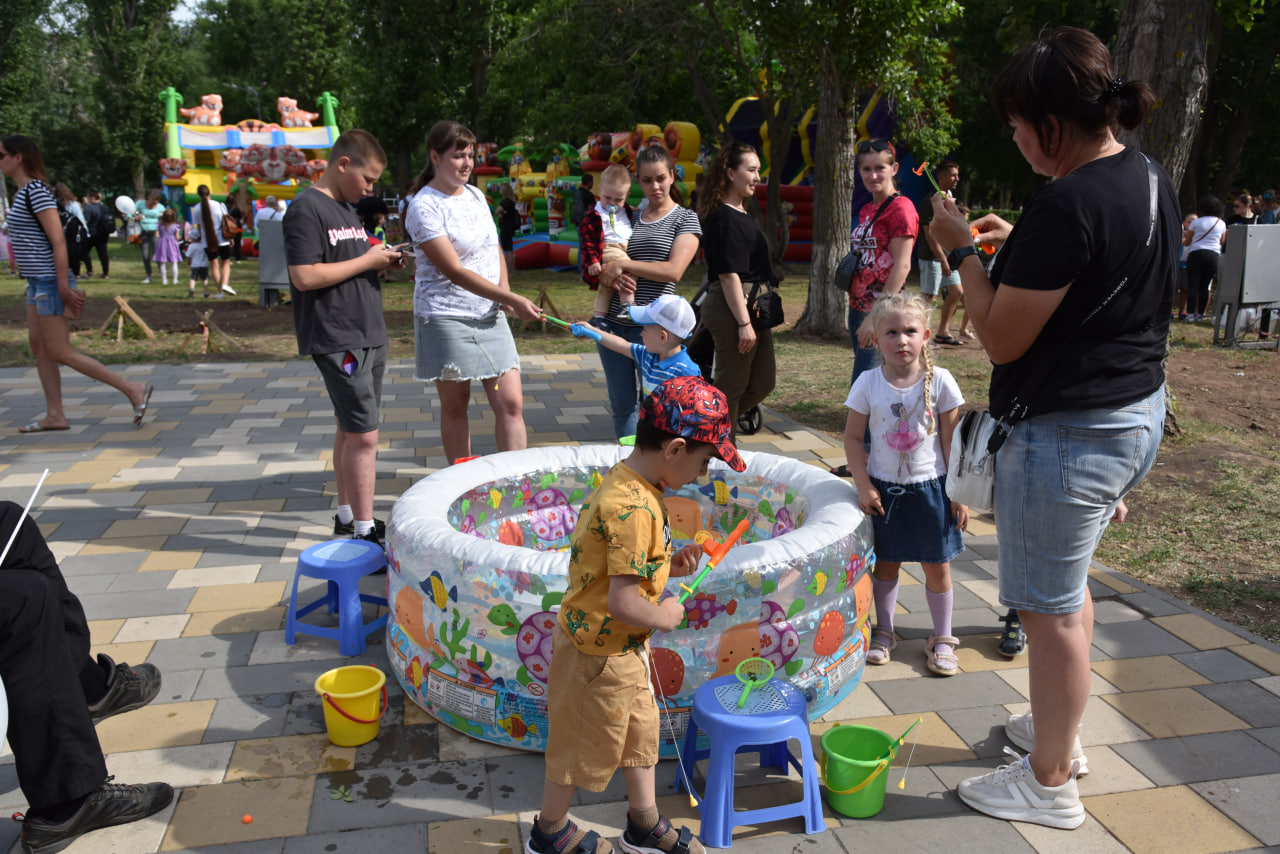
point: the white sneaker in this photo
(1012, 792)
(1021, 731)
(147, 280)
(227, 289)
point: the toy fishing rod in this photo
(715, 551)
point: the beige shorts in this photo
(601, 715)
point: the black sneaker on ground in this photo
(128, 688)
(1013, 641)
(107, 806)
(348, 529)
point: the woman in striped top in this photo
(664, 239)
(52, 298)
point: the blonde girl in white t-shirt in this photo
(912, 408)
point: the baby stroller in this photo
(702, 350)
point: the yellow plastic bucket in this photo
(855, 766)
(354, 699)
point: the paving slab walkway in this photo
(180, 539)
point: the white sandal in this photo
(880, 653)
(938, 659)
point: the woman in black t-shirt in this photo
(1092, 384)
(737, 256)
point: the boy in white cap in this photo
(667, 322)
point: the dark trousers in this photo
(745, 378)
(148, 247)
(104, 256)
(44, 659)
(1202, 267)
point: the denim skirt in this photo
(917, 525)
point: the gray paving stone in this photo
(145, 603)
(967, 833)
(1250, 802)
(403, 794)
(214, 652)
(509, 778)
(89, 529)
(177, 686)
(100, 564)
(981, 728)
(924, 796)
(129, 582)
(912, 597)
(85, 585)
(237, 718)
(1136, 640)
(261, 846)
(261, 679)
(305, 715)
(969, 621)
(1246, 701)
(967, 570)
(1220, 665)
(1269, 736)
(405, 837)
(84, 514)
(906, 696)
(1153, 605)
(1115, 611)
(1196, 758)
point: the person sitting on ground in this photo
(618, 567)
(603, 234)
(667, 322)
(56, 693)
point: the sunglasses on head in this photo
(875, 145)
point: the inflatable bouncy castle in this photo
(286, 156)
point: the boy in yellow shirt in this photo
(601, 712)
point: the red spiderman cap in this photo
(692, 408)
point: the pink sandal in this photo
(879, 653)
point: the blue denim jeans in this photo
(864, 358)
(1059, 478)
(622, 376)
(42, 292)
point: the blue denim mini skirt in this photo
(917, 525)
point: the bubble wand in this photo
(716, 552)
(557, 321)
(922, 170)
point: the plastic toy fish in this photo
(718, 491)
(818, 584)
(495, 498)
(437, 592)
(703, 608)
(505, 617)
(516, 727)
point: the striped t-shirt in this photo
(31, 247)
(652, 242)
(654, 371)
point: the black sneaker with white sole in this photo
(348, 529)
(107, 806)
(128, 688)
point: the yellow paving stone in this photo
(541, 439)
(1267, 659)
(113, 486)
(254, 505)
(75, 477)
(149, 430)
(1108, 579)
(135, 652)
(208, 623)
(495, 834)
(1174, 712)
(979, 653)
(60, 447)
(1197, 631)
(211, 815)
(159, 561)
(415, 715)
(128, 454)
(144, 527)
(938, 742)
(288, 756)
(1175, 818)
(237, 597)
(1148, 674)
(47, 528)
(981, 526)
(103, 632)
(196, 495)
(156, 726)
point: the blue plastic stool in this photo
(774, 713)
(342, 563)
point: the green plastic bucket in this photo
(855, 768)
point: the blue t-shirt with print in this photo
(654, 371)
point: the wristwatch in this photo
(955, 256)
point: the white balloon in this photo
(125, 205)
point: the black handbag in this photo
(764, 306)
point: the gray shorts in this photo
(460, 349)
(354, 381)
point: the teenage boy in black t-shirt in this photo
(337, 314)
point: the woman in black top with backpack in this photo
(52, 299)
(737, 257)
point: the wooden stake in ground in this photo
(548, 307)
(207, 324)
(122, 311)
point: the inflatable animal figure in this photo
(519, 166)
(315, 168)
(255, 126)
(208, 113)
(486, 154)
(274, 162)
(229, 160)
(173, 167)
(599, 146)
(557, 168)
(291, 116)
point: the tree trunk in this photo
(826, 310)
(139, 179)
(776, 231)
(1165, 43)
